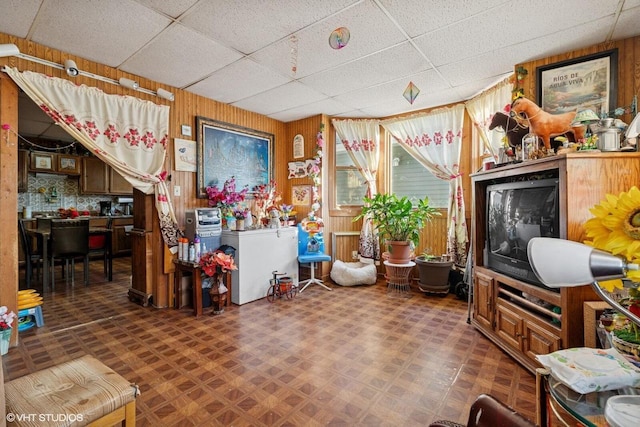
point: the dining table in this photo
(43, 235)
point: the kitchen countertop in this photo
(35, 217)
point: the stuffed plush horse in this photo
(543, 124)
(513, 130)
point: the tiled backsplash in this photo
(68, 195)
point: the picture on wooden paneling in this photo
(225, 150)
(301, 195)
(185, 155)
(588, 82)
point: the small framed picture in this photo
(68, 164)
(42, 162)
(301, 195)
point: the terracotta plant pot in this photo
(399, 252)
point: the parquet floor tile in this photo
(350, 357)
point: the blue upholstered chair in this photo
(311, 251)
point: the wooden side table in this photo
(193, 268)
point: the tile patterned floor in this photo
(349, 357)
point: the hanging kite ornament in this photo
(339, 38)
(411, 92)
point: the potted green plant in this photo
(398, 221)
(433, 272)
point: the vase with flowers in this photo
(241, 216)
(214, 267)
(226, 198)
(6, 322)
(286, 213)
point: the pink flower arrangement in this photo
(228, 197)
(6, 318)
(216, 262)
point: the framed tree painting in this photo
(225, 150)
(588, 82)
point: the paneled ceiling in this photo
(273, 57)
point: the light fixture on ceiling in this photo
(70, 67)
(581, 265)
(128, 83)
(162, 93)
(9, 49)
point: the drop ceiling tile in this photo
(251, 25)
(627, 25)
(185, 57)
(417, 17)
(501, 61)
(173, 8)
(328, 106)
(17, 16)
(381, 67)
(371, 31)
(630, 4)
(470, 89)
(237, 81)
(281, 98)
(491, 31)
(104, 33)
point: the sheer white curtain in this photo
(129, 134)
(434, 139)
(481, 110)
(361, 140)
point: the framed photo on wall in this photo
(42, 162)
(588, 82)
(225, 150)
(301, 195)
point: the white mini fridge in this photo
(258, 253)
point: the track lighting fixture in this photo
(71, 68)
(10, 49)
(165, 94)
(128, 83)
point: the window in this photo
(350, 186)
(409, 178)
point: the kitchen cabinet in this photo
(258, 253)
(100, 178)
(121, 238)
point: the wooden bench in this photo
(80, 392)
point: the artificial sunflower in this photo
(615, 228)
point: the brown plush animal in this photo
(543, 124)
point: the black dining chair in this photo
(69, 240)
(32, 255)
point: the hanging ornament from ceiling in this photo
(339, 38)
(411, 92)
(293, 42)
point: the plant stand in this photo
(399, 279)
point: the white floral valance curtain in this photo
(361, 140)
(129, 134)
(482, 109)
(434, 139)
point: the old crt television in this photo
(516, 213)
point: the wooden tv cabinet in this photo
(523, 319)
